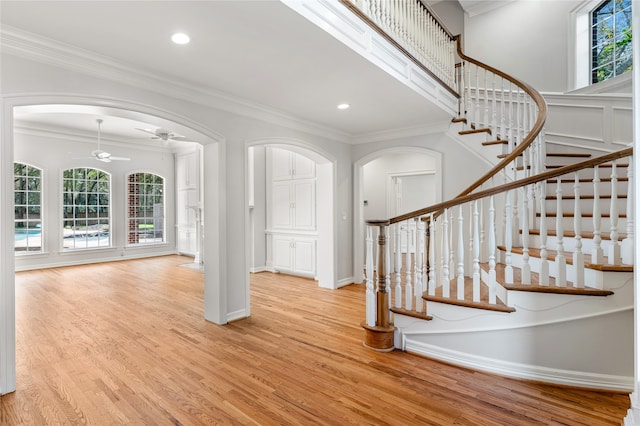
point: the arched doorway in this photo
(317, 233)
(215, 305)
(386, 168)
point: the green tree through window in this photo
(27, 191)
(611, 40)
(86, 208)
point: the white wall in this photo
(55, 154)
(376, 176)
(20, 76)
(527, 39)
(258, 212)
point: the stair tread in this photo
(588, 214)
(571, 234)
(496, 142)
(411, 313)
(468, 302)
(459, 120)
(605, 165)
(551, 255)
(472, 131)
(583, 197)
(568, 154)
(535, 283)
(586, 180)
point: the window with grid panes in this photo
(86, 209)
(611, 53)
(27, 189)
(145, 207)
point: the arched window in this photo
(145, 207)
(86, 208)
(27, 187)
(611, 53)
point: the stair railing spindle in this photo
(445, 254)
(408, 270)
(460, 250)
(492, 250)
(508, 270)
(597, 255)
(476, 252)
(561, 262)
(626, 247)
(398, 264)
(578, 257)
(614, 249)
(419, 258)
(544, 262)
(431, 247)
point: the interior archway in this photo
(256, 208)
(432, 161)
(63, 108)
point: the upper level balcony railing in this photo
(415, 30)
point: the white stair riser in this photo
(593, 278)
(586, 224)
(586, 188)
(586, 206)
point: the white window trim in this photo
(580, 45)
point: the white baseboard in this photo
(345, 281)
(258, 269)
(236, 315)
(88, 261)
(521, 371)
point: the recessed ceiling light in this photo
(343, 106)
(180, 38)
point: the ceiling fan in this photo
(165, 135)
(103, 156)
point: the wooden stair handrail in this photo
(535, 129)
(526, 142)
(571, 168)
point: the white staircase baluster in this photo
(371, 296)
(460, 250)
(486, 101)
(526, 267)
(508, 239)
(626, 248)
(432, 256)
(614, 249)
(492, 251)
(398, 265)
(477, 111)
(561, 262)
(445, 254)
(476, 252)
(452, 258)
(578, 257)
(408, 271)
(419, 260)
(494, 118)
(387, 263)
(597, 255)
(483, 242)
(544, 262)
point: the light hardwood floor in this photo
(126, 343)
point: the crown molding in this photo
(478, 7)
(407, 132)
(34, 47)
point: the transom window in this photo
(27, 187)
(86, 209)
(611, 53)
(145, 209)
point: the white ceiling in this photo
(259, 52)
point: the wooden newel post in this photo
(381, 336)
